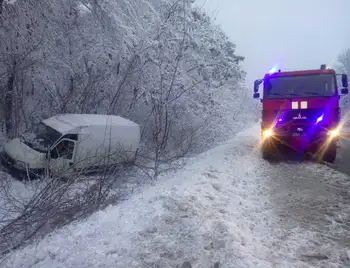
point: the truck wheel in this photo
(331, 153)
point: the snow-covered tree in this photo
(343, 66)
(163, 63)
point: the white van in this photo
(68, 143)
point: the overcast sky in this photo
(296, 34)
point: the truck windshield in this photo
(300, 86)
(41, 138)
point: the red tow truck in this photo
(300, 111)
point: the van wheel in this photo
(331, 153)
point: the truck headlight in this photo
(334, 133)
(267, 133)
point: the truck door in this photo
(62, 157)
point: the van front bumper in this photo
(18, 169)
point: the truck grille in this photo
(302, 116)
(288, 129)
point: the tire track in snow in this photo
(310, 225)
(313, 200)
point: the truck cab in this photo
(300, 111)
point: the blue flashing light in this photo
(319, 119)
(274, 69)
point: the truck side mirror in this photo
(256, 95)
(256, 85)
(344, 91)
(344, 80)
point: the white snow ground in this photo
(227, 205)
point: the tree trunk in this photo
(1, 6)
(9, 103)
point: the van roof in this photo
(67, 122)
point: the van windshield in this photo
(42, 138)
(300, 86)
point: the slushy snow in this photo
(225, 206)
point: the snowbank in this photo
(219, 208)
(164, 224)
(13, 193)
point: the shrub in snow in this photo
(343, 66)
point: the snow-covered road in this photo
(227, 206)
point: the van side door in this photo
(62, 157)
